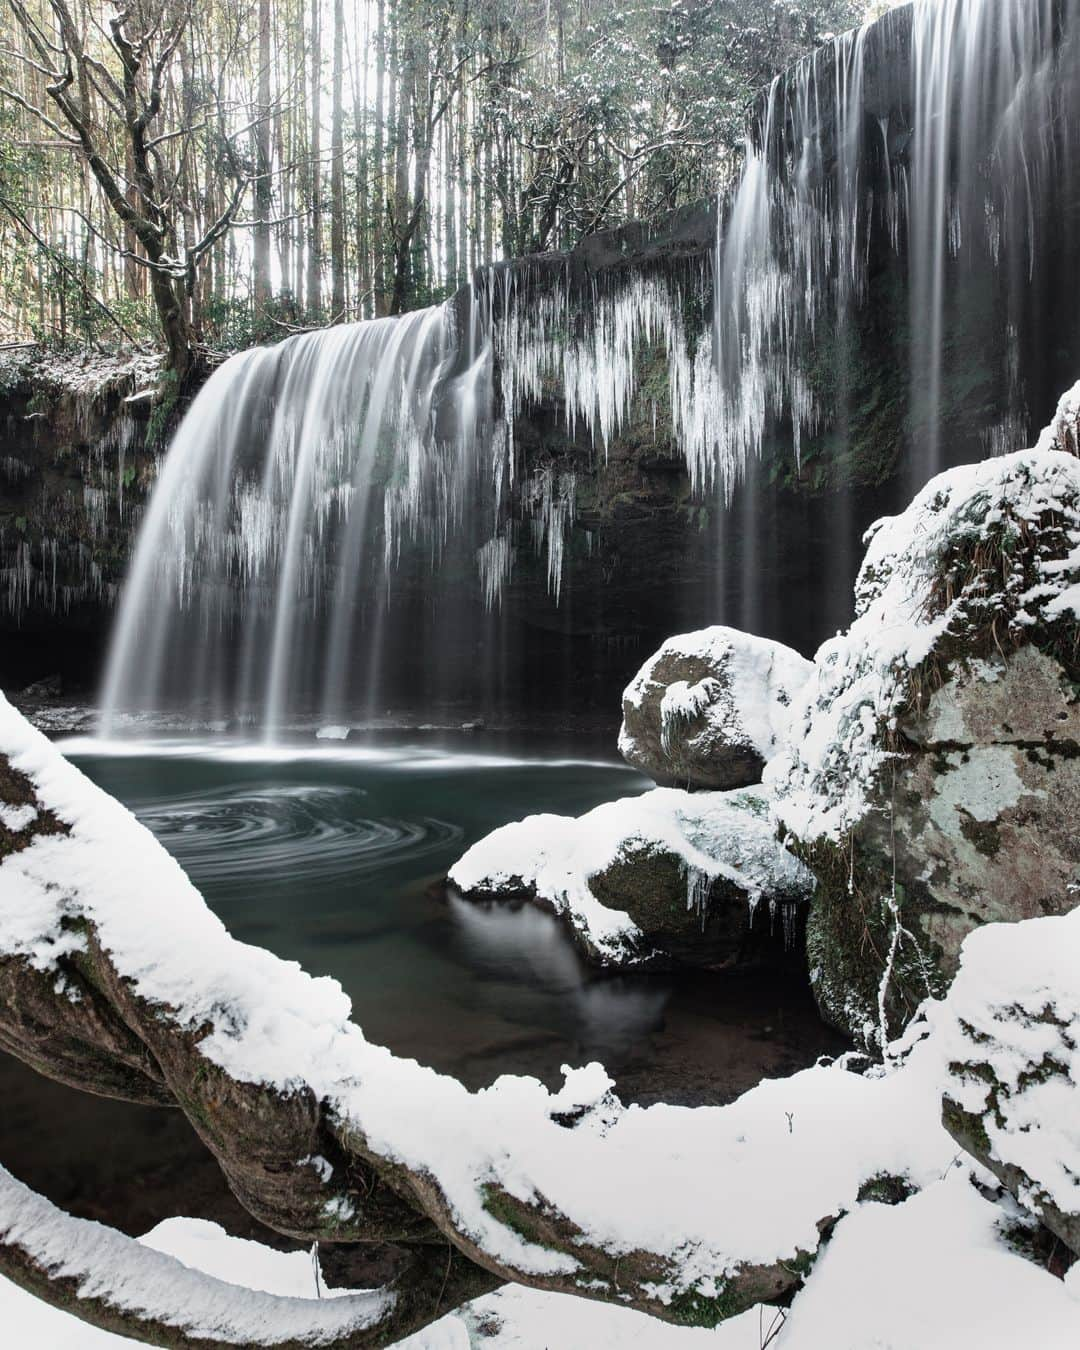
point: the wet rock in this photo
(709, 708)
(50, 687)
(1063, 432)
(669, 877)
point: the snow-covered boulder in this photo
(710, 708)
(670, 875)
(933, 775)
(1013, 1095)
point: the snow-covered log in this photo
(708, 709)
(698, 878)
(118, 1284)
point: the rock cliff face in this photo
(77, 442)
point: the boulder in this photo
(933, 780)
(668, 877)
(710, 708)
(1012, 1093)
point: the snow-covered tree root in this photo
(303, 1170)
(114, 976)
(118, 1284)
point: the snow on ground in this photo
(825, 779)
(83, 374)
(716, 835)
(933, 1273)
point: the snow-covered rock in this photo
(708, 709)
(1013, 1096)
(933, 774)
(698, 877)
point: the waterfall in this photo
(985, 74)
(307, 478)
(951, 165)
(261, 524)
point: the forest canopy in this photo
(208, 174)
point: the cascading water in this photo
(262, 521)
(951, 159)
(992, 80)
(925, 154)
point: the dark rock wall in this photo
(76, 459)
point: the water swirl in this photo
(235, 835)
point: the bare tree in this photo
(263, 181)
(143, 39)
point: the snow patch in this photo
(17, 818)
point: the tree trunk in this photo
(378, 190)
(337, 173)
(314, 282)
(262, 162)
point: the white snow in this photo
(17, 818)
(706, 1188)
(684, 703)
(824, 780)
(1063, 432)
(930, 1274)
(714, 834)
(1016, 1008)
(933, 1273)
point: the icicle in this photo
(698, 887)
